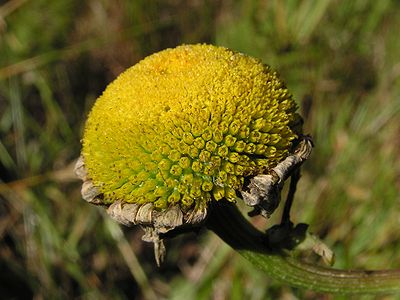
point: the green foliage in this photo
(339, 59)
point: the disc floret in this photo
(185, 126)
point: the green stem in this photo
(229, 224)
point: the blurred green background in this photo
(340, 59)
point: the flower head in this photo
(184, 127)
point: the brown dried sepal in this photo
(154, 222)
(264, 191)
(89, 192)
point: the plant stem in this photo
(230, 225)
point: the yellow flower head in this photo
(186, 126)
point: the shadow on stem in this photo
(274, 259)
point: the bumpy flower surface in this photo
(186, 126)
